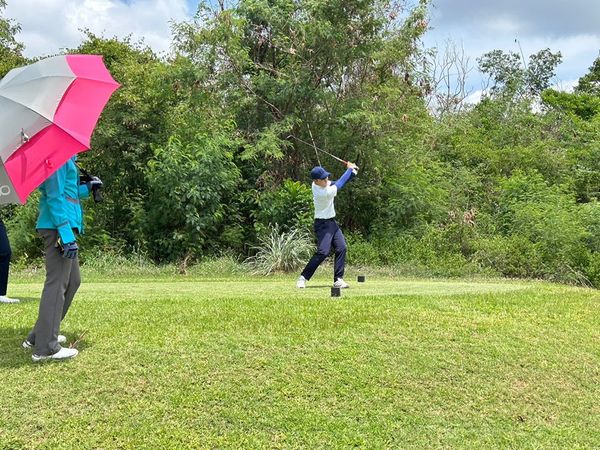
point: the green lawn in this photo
(394, 363)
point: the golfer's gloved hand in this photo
(95, 182)
(70, 250)
(352, 166)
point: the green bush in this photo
(289, 206)
(511, 256)
(592, 272)
(189, 187)
(24, 240)
(436, 252)
(222, 265)
(543, 223)
(361, 252)
(417, 195)
(106, 262)
(590, 217)
(441, 249)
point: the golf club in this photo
(320, 149)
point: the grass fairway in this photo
(180, 363)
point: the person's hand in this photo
(353, 167)
(95, 182)
(70, 250)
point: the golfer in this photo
(327, 230)
(59, 223)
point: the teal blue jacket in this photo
(60, 206)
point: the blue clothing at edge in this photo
(60, 208)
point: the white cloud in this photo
(474, 98)
(566, 86)
(50, 25)
(502, 25)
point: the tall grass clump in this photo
(280, 251)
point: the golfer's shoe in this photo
(5, 299)
(340, 283)
(61, 355)
(301, 283)
(27, 345)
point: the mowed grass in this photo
(255, 363)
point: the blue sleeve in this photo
(348, 175)
(57, 204)
(84, 192)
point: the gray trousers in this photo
(62, 281)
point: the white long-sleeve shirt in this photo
(323, 199)
(323, 196)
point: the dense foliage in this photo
(208, 151)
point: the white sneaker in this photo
(5, 299)
(301, 283)
(340, 283)
(62, 354)
(61, 340)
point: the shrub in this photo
(543, 231)
(512, 256)
(24, 240)
(593, 270)
(361, 252)
(289, 206)
(189, 187)
(590, 217)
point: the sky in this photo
(478, 26)
(51, 25)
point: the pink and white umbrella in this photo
(48, 111)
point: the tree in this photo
(10, 49)
(345, 69)
(445, 86)
(155, 146)
(590, 82)
(511, 77)
(134, 120)
(581, 104)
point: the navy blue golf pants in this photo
(329, 235)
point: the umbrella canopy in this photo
(48, 111)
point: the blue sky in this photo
(571, 26)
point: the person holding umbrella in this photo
(327, 230)
(48, 112)
(59, 223)
(5, 254)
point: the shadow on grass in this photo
(13, 355)
(321, 286)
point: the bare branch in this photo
(446, 88)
